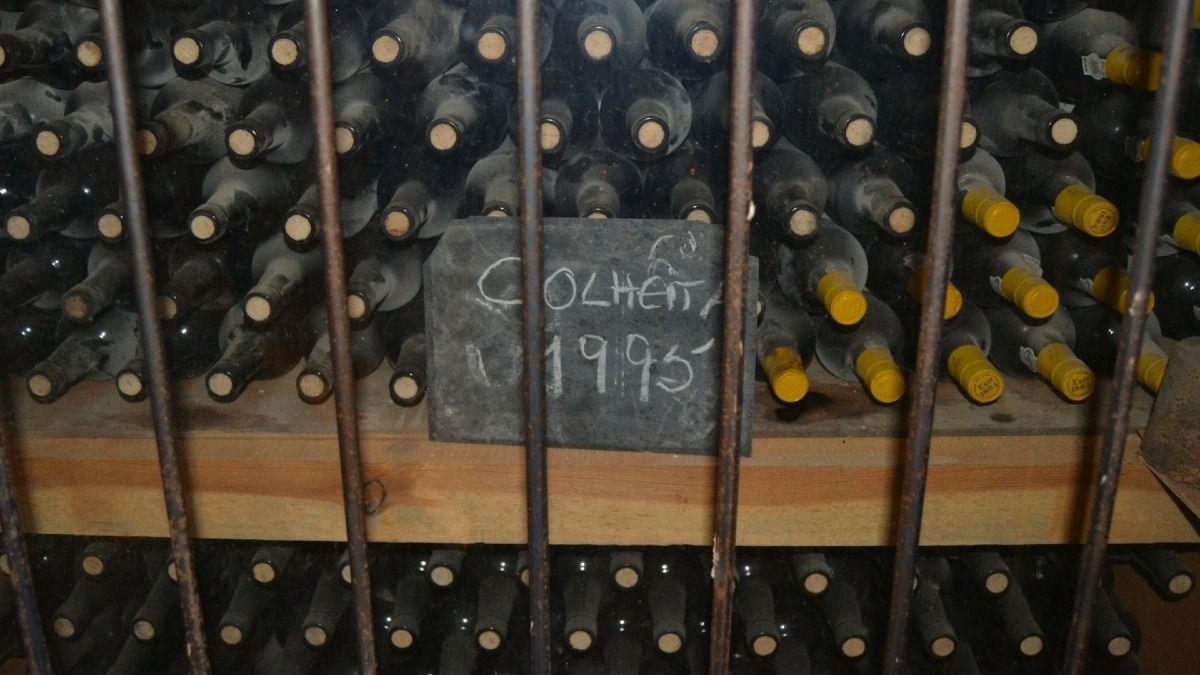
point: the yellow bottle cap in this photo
(1151, 369)
(785, 371)
(1111, 286)
(1185, 158)
(1186, 232)
(979, 379)
(841, 297)
(954, 298)
(1079, 207)
(989, 210)
(878, 370)
(1129, 66)
(1069, 376)
(1030, 293)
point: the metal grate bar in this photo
(1141, 271)
(19, 571)
(316, 16)
(533, 330)
(929, 339)
(733, 347)
(134, 199)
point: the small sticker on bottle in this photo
(1196, 311)
(995, 282)
(1033, 263)
(1093, 67)
(1029, 358)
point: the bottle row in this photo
(113, 607)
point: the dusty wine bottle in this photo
(88, 599)
(250, 353)
(26, 104)
(842, 612)
(93, 351)
(1165, 571)
(497, 598)
(932, 626)
(598, 184)
(171, 190)
(191, 347)
(487, 37)
(710, 106)
(1021, 628)
(239, 200)
(878, 37)
(461, 115)
(866, 352)
(981, 187)
(314, 383)
(1054, 193)
(188, 119)
(827, 274)
(412, 598)
(419, 195)
(1016, 109)
(414, 40)
(670, 577)
(1118, 132)
(987, 569)
(1045, 348)
(226, 41)
(569, 112)
(86, 124)
(282, 277)
(384, 281)
(66, 193)
(38, 273)
(1000, 37)
(908, 117)
(273, 124)
(1086, 272)
(407, 384)
(599, 39)
(688, 185)
(755, 604)
(812, 572)
(791, 193)
(830, 111)
(159, 613)
(645, 114)
(199, 277)
(109, 274)
(869, 194)
(330, 601)
(786, 343)
(288, 48)
(358, 187)
(798, 36)
(583, 593)
(897, 274)
(688, 38)
(1099, 330)
(148, 30)
(995, 271)
(1089, 52)
(44, 34)
(445, 566)
(367, 118)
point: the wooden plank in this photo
(267, 467)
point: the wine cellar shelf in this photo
(1015, 472)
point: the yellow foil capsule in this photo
(1079, 207)
(1185, 157)
(989, 210)
(1151, 369)
(954, 297)
(1030, 293)
(979, 379)
(785, 371)
(879, 372)
(842, 299)
(1065, 372)
(1186, 231)
(1111, 286)
(1129, 66)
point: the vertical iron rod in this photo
(20, 573)
(1129, 345)
(529, 93)
(124, 113)
(320, 88)
(929, 338)
(733, 348)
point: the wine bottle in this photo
(412, 600)
(981, 187)
(407, 384)
(1111, 636)
(459, 651)
(965, 346)
(493, 185)
(109, 559)
(1001, 37)
(1086, 272)
(1177, 295)
(148, 29)
(878, 37)
(273, 124)
(330, 601)
(1165, 571)
(786, 340)
(897, 275)
(1054, 193)
(414, 40)
(419, 194)
(598, 184)
(26, 104)
(445, 566)
(86, 124)
(314, 383)
(137, 657)
(671, 582)
(37, 274)
(44, 34)
(1021, 629)
(754, 601)
(240, 200)
(251, 353)
(867, 351)
(282, 277)
(94, 351)
(98, 644)
(688, 185)
(1099, 329)
(597, 39)
(710, 107)
(171, 190)
(199, 277)
(288, 48)
(497, 599)
(1016, 109)
(109, 275)
(826, 275)
(688, 38)
(159, 613)
(626, 568)
(842, 612)
(623, 632)
(188, 119)
(1045, 348)
(1179, 216)
(1091, 51)
(253, 593)
(461, 115)
(995, 271)
(191, 345)
(907, 120)
(932, 626)
(868, 194)
(583, 592)
(358, 187)
(226, 41)
(797, 36)
(830, 111)
(569, 112)
(987, 569)
(367, 118)
(384, 281)
(790, 192)
(1118, 130)
(812, 572)
(645, 114)
(66, 193)
(89, 597)
(487, 37)
(27, 336)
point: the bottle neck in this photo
(87, 299)
(882, 202)
(407, 211)
(412, 599)
(841, 610)
(556, 124)
(279, 282)
(902, 34)
(599, 36)
(25, 281)
(792, 204)
(86, 128)
(597, 199)
(239, 619)
(289, 48)
(258, 133)
(198, 281)
(400, 42)
(649, 122)
(15, 122)
(454, 120)
(667, 599)
(756, 605)
(30, 47)
(176, 127)
(329, 603)
(239, 363)
(497, 596)
(999, 35)
(801, 35)
(86, 601)
(359, 124)
(69, 363)
(229, 208)
(315, 382)
(50, 211)
(367, 289)
(581, 605)
(1034, 120)
(693, 199)
(211, 45)
(842, 119)
(501, 197)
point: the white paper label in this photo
(1093, 67)
(1029, 358)
(995, 281)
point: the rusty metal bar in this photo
(733, 347)
(320, 88)
(929, 338)
(19, 570)
(529, 94)
(124, 113)
(1141, 271)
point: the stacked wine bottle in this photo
(286, 608)
(633, 123)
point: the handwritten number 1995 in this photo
(635, 350)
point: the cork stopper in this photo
(263, 572)
(167, 307)
(669, 643)
(143, 630)
(231, 635)
(489, 640)
(146, 142)
(18, 227)
(764, 645)
(203, 226)
(1031, 645)
(811, 41)
(130, 384)
(3, 56)
(443, 136)
(859, 132)
(854, 647)
(996, 583)
(1119, 646)
(356, 306)
(39, 385)
(550, 136)
(802, 222)
(405, 388)
(598, 44)
(1180, 584)
(626, 577)
(297, 227)
(441, 577)
(491, 46)
(942, 646)
(1064, 131)
(219, 384)
(311, 386)
(968, 135)
(386, 49)
(760, 134)
(186, 50)
(651, 134)
(902, 220)
(1023, 41)
(241, 142)
(64, 627)
(698, 214)
(89, 54)
(579, 640)
(704, 43)
(344, 140)
(285, 51)
(257, 308)
(93, 565)
(315, 636)
(401, 638)
(48, 143)
(397, 224)
(110, 226)
(75, 306)
(917, 42)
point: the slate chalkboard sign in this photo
(633, 334)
